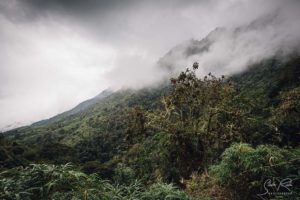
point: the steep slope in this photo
(80, 107)
(96, 116)
(103, 124)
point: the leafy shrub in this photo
(91, 167)
(205, 185)
(123, 174)
(149, 159)
(169, 192)
(286, 117)
(243, 169)
(41, 181)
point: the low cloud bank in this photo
(55, 54)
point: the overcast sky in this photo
(56, 53)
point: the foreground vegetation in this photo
(212, 137)
(64, 182)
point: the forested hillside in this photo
(214, 137)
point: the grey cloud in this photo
(86, 9)
(226, 51)
(56, 53)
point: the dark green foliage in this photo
(13, 154)
(286, 117)
(64, 182)
(163, 191)
(149, 158)
(267, 84)
(200, 118)
(136, 130)
(56, 153)
(243, 169)
(205, 185)
(124, 175)
(100, 148)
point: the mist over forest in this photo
(56, 54)
(140, 99)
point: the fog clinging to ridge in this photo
(55, 54)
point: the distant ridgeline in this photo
(216, 137)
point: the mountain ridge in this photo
(80, 107)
